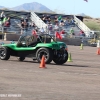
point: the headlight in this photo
(62, 47)
(66, 48)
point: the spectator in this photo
(42, 30)
(7, 22)
(72, 22)
(4, 19)
(59, 18)
(44, 19)
(66, 22)
(72, 32)
(55, 20)
(82, 33)
(42, 16)
(61, 23)
(24, 25)
(22, 20)
(56, 28)
(33, 25)
(48, 19)
(26, 19)
(50, 28)
(2, 15)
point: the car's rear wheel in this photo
(4, 53)
(47, 54)
(21, 58)
(60, 57)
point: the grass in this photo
(93, 24)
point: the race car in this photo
(35, 46)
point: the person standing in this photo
(42, 30)
(2, 15)
(72, 32)
(24, 26)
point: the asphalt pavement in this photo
(76, 80)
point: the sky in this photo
(90, 8)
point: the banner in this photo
(57, 35)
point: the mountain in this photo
(34, 6)
(82, 14)
(2, 7)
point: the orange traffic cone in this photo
(98, 51)
(42, 64)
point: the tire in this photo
(46, 52)
(60, 59)
(4, 53)
(21, 58)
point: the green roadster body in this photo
(35, 47)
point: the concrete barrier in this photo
(68, 41)
(71, 41)
(11, 36)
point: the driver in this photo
(38, 40)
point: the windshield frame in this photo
(25, 39)
(45, 37)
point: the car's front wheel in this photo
(4, 53)
(46, 52)
(60, 57)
